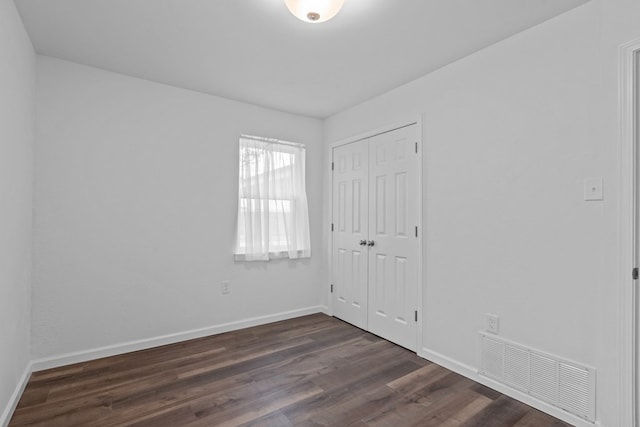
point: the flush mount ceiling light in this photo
(314, 11)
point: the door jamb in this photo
(629, 54)
(368, 134)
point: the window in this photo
(273, 217)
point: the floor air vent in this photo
(564, 384)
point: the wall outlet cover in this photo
(492, 323)
(225, 287)
(593, 189)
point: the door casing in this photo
(629, 86)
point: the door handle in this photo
(371, 243)
(363, 242)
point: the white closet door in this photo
(393, 217)
(350, 221)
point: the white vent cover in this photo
(564, 384)
(492, 358)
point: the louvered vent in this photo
(573, 388)
(561, 383)
(493, 358)
(516, 367)
(544, 378)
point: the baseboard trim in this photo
(449, 363)
(15, 397)
(472, 373)
(143, 344)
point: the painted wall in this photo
(17, 128)
(509, 135)
(136, 197)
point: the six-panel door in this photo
(375, 244)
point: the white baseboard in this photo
(15, 397)
(449, 363)
(472, 373)
(126, 347)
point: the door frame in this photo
(629, 55)
(365, 135)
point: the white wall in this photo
(17, 124)
(136, 197)
(509, 135)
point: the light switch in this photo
(593, 189)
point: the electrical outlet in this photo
(493, 323)
(593, 189)
(225, 287)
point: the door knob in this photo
(371, 243)
(363, 242)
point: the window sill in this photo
(240, 257)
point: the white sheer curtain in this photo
(273, 217)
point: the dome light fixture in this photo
(314, 11)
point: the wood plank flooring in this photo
(310, 371)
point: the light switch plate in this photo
(593, 189)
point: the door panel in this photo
(393, 211)
(350, 217)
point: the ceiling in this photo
(255, 51)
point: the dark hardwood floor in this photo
(310, 371)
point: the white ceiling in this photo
(255, 51)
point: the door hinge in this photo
(332, 288)
(416, 315)
(332, 165)
(331, 226)
(416, 147)
(416, 231)
(634, 273)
